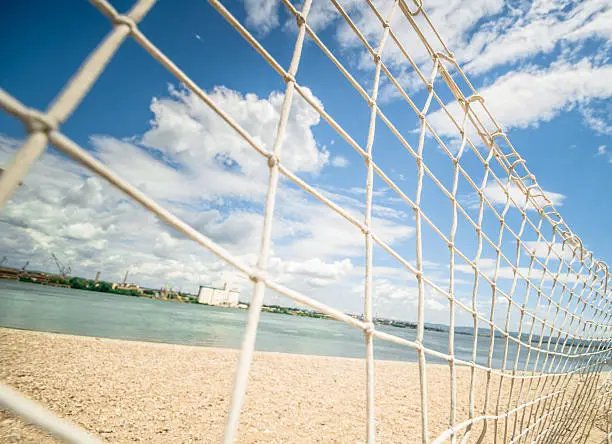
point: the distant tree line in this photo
(293, 311)
(84, 284)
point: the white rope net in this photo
(555, 394)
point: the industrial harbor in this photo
(220, 295)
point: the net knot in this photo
(365, 229)
(125, 20)
(376, 58)
(257, 275)
(288, 77)
(299, 18)
(449, 57)
(39, 122)
(419, 275)
(273, 160)
(451, 245)
(369, 328)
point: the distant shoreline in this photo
(483, 332)
(127, 342)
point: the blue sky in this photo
(543, 68)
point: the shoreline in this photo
(136, 391)
(206, 347)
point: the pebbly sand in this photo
(125, 391)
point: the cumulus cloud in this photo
(317, 231)
(496, 194)
(537, 28)
(505, 273)
(597, 119)
(455, 17)
(262, 14)
(602, 151)
(339, 162)
(557, 250)
(315, 272)
(486, 35)
(184, 128)
(527, 97)
(193, 164)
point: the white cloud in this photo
(191, 163)
(597, 121)
(496, 194)
(535, 28)
(386, 290)
(505, 272)
(455, 18)
(339, 162)
(262, 14)
(557, 249)
(504, 34)
(486, 34)
(185, 129)
(315, 272)
(602, 150)
(399, 301)
(483, 34)
(319, 232)
(524, 98)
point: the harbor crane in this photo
(3, 261)
(23, 269)
(63, 268)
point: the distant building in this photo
(9, 273)
(225, 297)
(126, 286)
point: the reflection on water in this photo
(61, 310)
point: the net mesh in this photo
(557, 392)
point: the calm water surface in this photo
(61, 310)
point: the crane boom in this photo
(63, 269)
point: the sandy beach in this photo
(126, 391)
